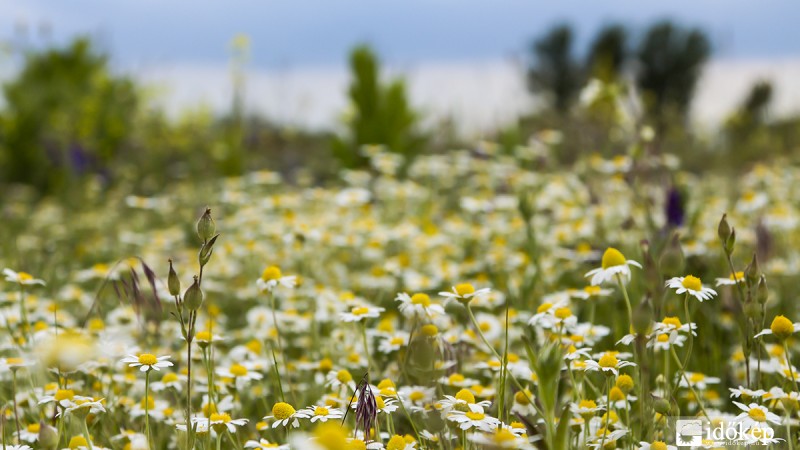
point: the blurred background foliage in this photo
(67, 118)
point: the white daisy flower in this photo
(221, 421)
(418, 305)
(755, 415)
(320, 413)
(500, 438)
(283, 414)
(464, 293)
(730, 281)
(698, 380)
(272, 278)
(656, 445)
(474, 418)
(264, 444)
(22, 278)
(359, 313)
(691, 285)
(614, 266)
(147, 362)
(608, 364)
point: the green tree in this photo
(608, 53)
(65, 115)
(553, 71)
(381, 113)
(671, 60)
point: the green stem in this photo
(14, 396)
(86, 434)
(789, 363)
(366, 346)
(608, 412)
(147, 407)
(691, 388)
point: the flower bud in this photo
(752, 272)
(193, 297)
(206, 226)
(752, 309)
(729, 244)
(173, 282)
(661, 406)
(48, 436)
(762, 293)
(724, 230)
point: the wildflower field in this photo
(479, 302)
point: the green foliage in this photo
(671, 59)
(66, 114)
(554, 71)
(608, 53)
(381, 113)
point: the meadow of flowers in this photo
(480, 301)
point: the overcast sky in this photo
(300, 33)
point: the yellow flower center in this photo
(148, 402)
(430, 330)
(692, 283)
(587, 404)
(658, 445)
(203, 336)
(739, 276)
(146, 359)
(503, 435)
(271, 273)
(563, 313)
(616, 394)
(220, 417)
(466, 396)
(14, 361)
(464, 289)
(238, 370)
(421, 299)
(592, 290)
(475, 415)
(380, 403)
(455, 378)
(282, 410)
(321, 411)
(416, 396)
(169, 378)
(696, 377)
(77, 442)
(359, 311)
(331, 436)
(757, 414)
(521, 398)
(625, 382)
(325, 365)
(662, 338)
(612, 258)
(64, 394)
(544, 307)
(674, 321)
(344, 376)
(33, 428)
(781, 327)
(22, 276)
(396, 443)
(608, 360)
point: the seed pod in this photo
(173, 282)
(661, 406)
(731, 242)
(193, 297)
(762, 293)
(206, 226)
